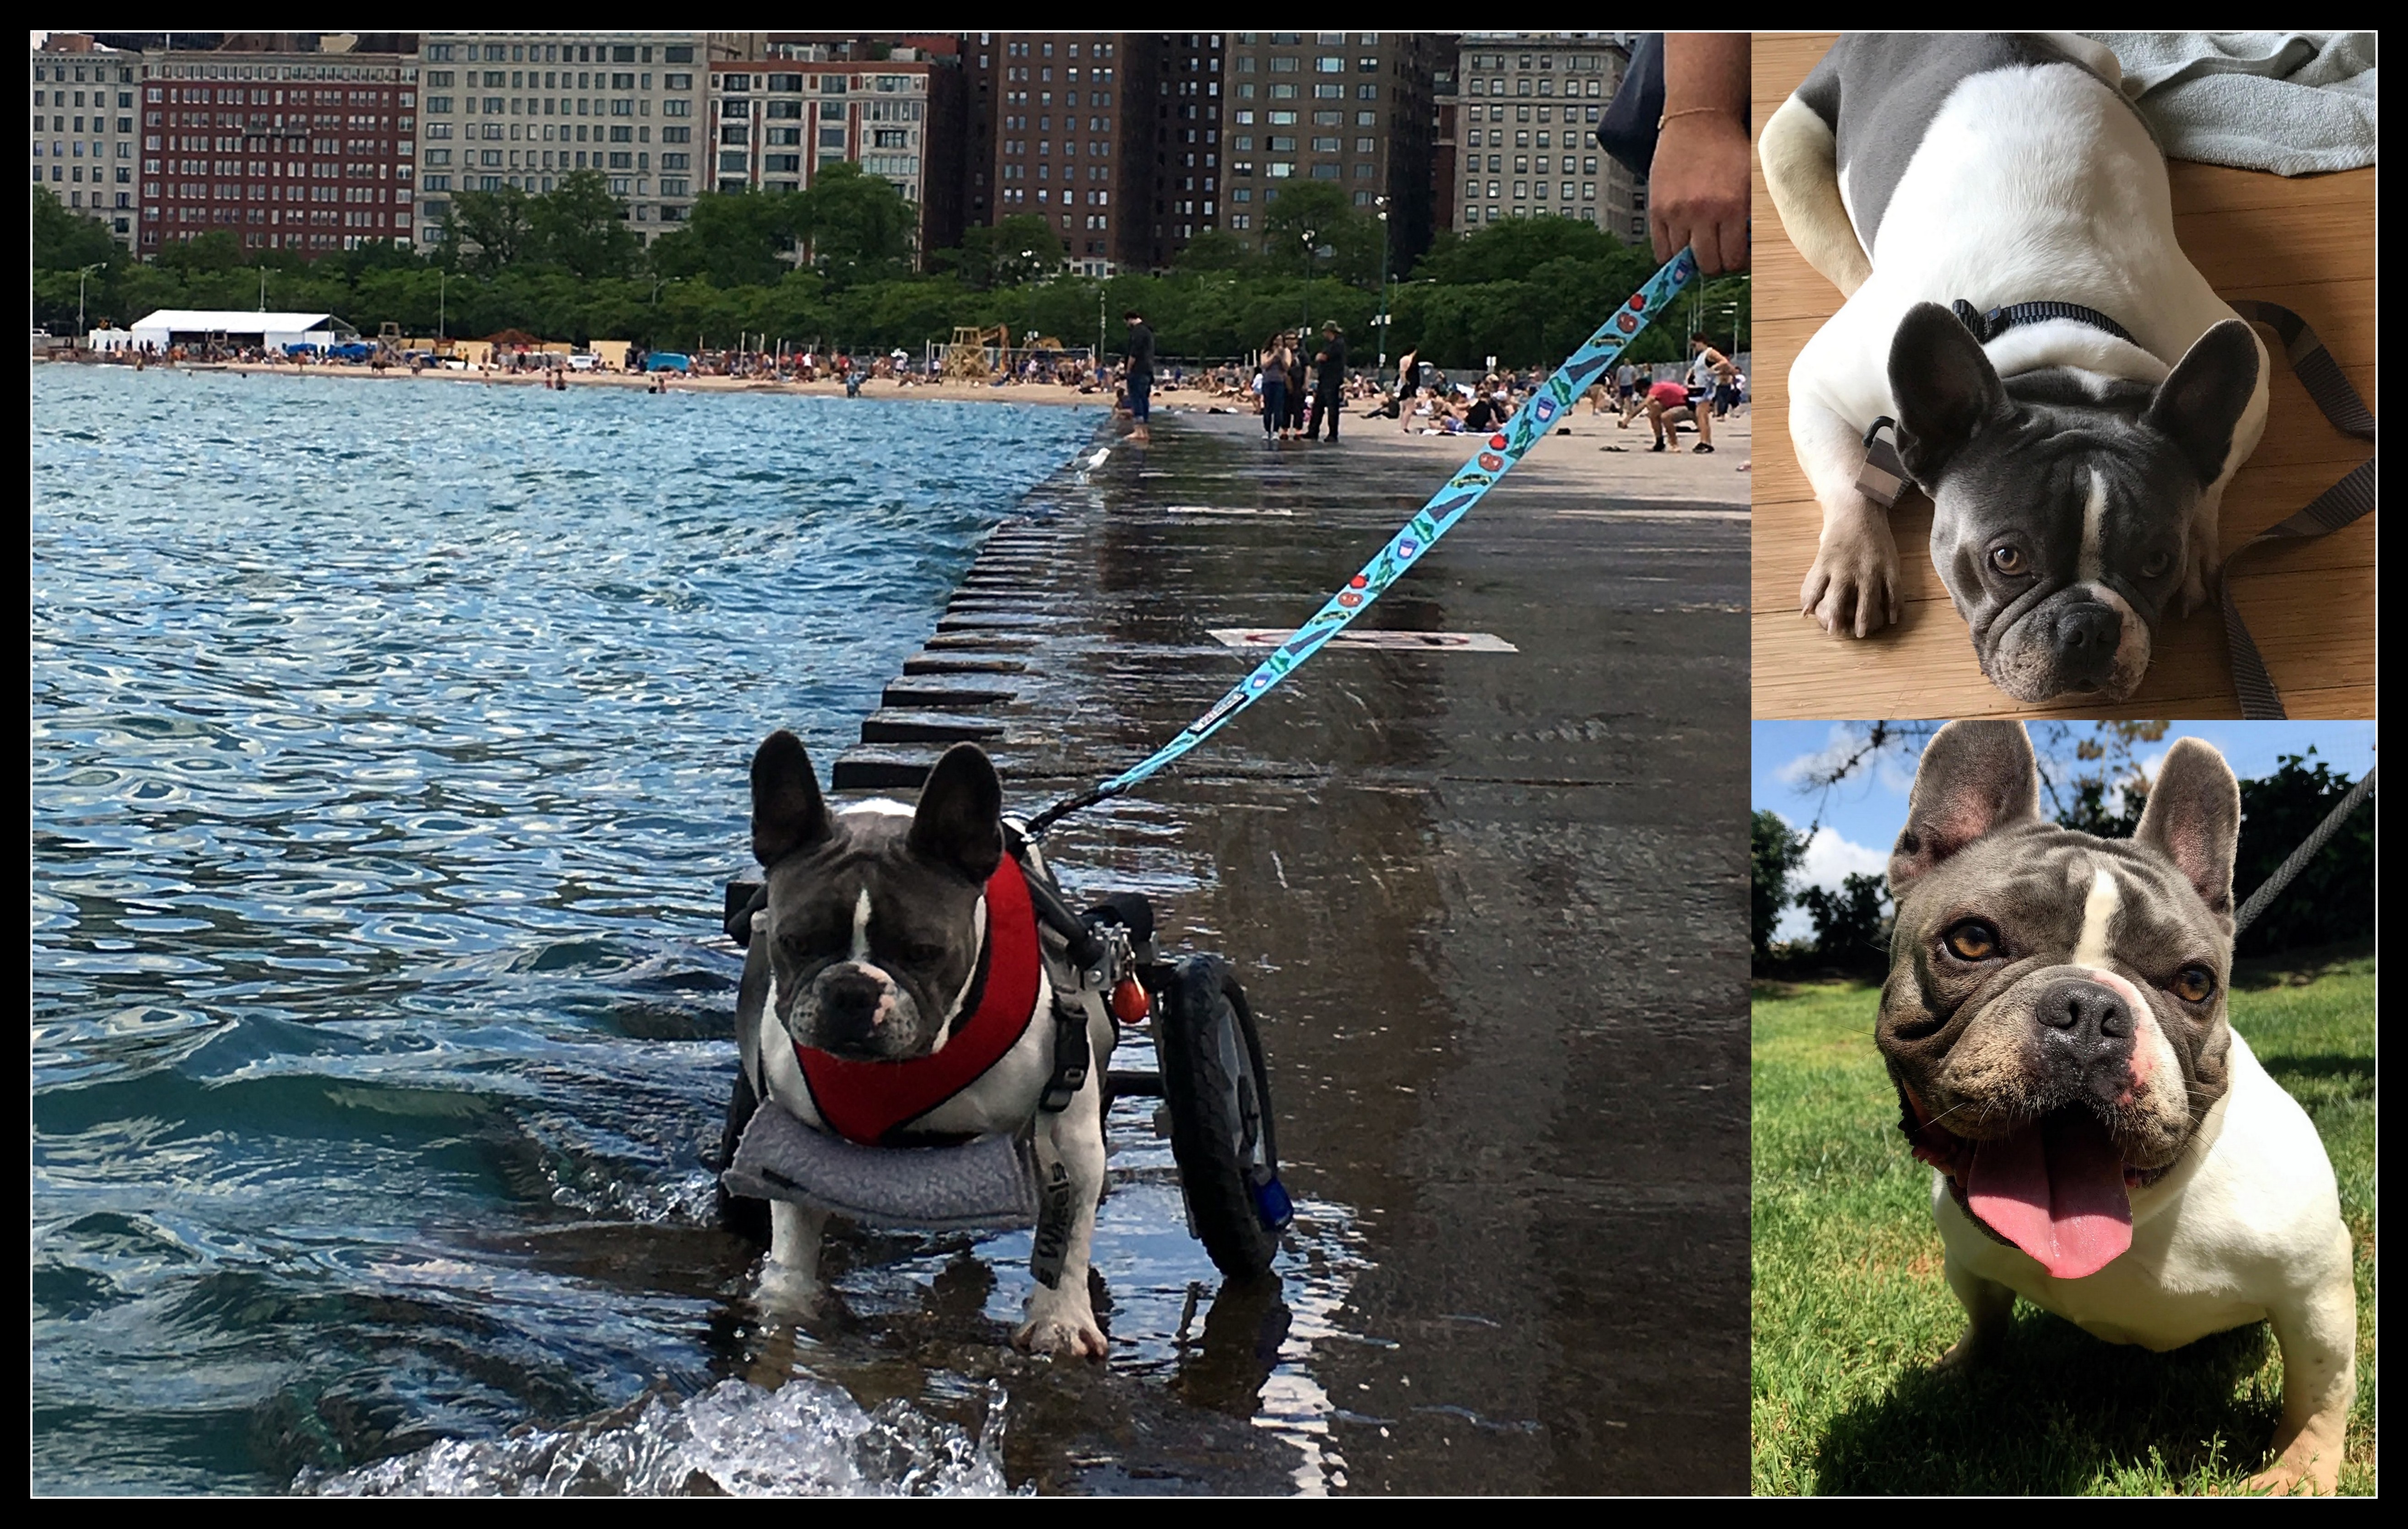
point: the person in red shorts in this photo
(1668, 406)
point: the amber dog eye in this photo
(1972, 940)
(2007, 561)
(2158, 565)
(2193, 985)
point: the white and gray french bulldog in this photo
(894, 948)
(2076, 468)
(2104, 1143)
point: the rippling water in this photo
(388, 751)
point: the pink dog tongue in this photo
(2055, 1190)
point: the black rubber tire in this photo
(1219, 1096)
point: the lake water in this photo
(388, 753)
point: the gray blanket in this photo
(2295, 102)
(988, 1184)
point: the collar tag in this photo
(1883, 478)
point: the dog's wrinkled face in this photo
(2062, 500)
(2055, 1013)
(875, 917)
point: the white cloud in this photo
(1829, 861)
(1889, 766)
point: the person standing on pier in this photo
(1138, 377)
(1275, 360)
(1331, 383)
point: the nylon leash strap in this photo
(1530, 425)
(2337, 507)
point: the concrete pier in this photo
(1488, 897)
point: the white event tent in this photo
(240, 327)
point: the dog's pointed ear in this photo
(960, 817)
(1947, 389)
(2193, 817)
(2202, 399)
(787, 811)
(1976, 777)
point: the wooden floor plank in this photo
(2307, 243)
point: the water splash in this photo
(806, 1438)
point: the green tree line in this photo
(2331, 902)
(834, 265)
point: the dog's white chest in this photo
(1002, 1099)
(2213, 1247)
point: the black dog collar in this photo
(1989, 326)
(1884, 476)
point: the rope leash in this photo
(1553, 399)
(2274, 885)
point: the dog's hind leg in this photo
(1070, 1182)
(1801, 172)
(2318, 1331)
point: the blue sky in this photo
(1861, 818)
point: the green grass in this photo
(1850, 1310)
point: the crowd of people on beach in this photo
(1301, 386)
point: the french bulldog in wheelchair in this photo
(901, 999)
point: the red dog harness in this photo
(867, 1101)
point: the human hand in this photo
(1697, 191)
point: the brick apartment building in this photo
(1351, 110)
(1187, 175)
(898, 110)
(308, 150)
(1066, 121)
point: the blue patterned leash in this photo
(1530, 425)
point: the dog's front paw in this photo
(2284, 1479)
(789, 1292)
(1963, 1356)
(2301, 1473)
(1065, 1332)
(1853, 586)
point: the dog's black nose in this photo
(2086, 1036)
(2087, 635)
(849, 1004)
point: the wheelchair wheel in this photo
(1221, 1129)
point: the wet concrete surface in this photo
(1490, 907)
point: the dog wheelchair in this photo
(1212, 1080)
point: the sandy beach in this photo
(1592, 445)
(882, 389)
